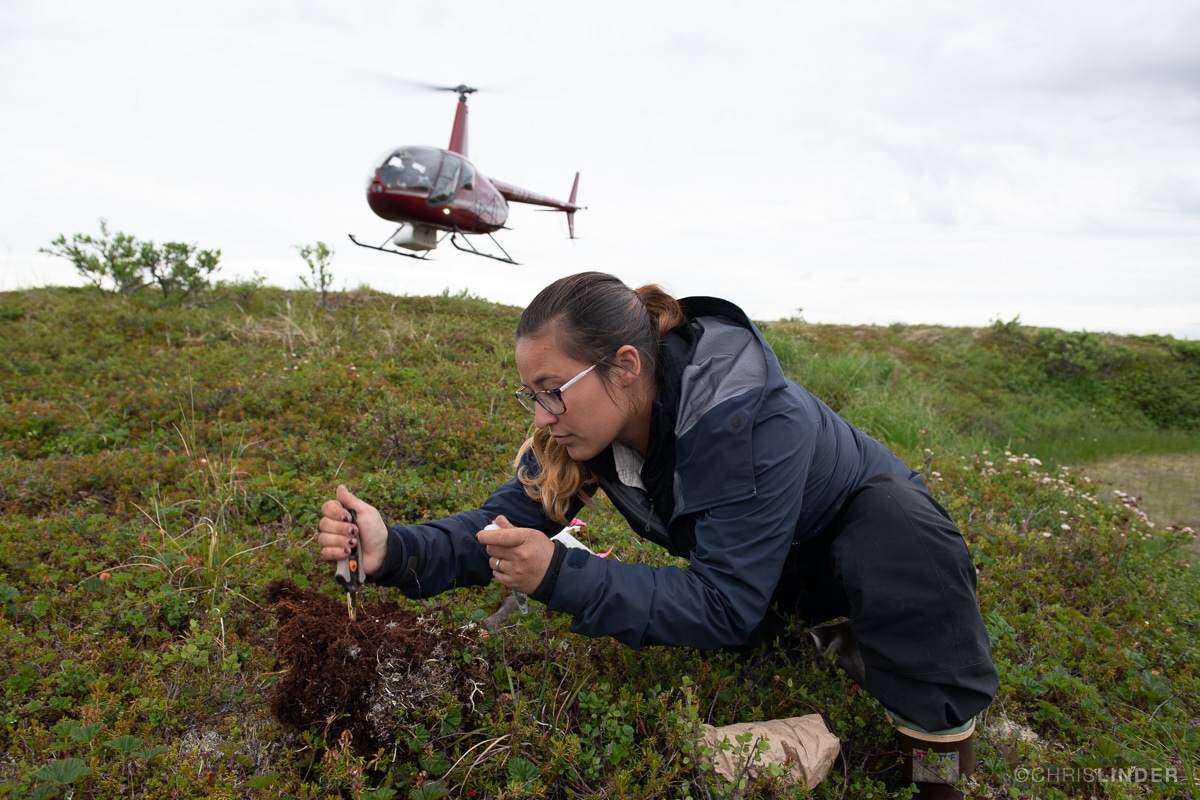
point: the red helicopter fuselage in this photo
(434, 187)
(428, 187)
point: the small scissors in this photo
(350, 573)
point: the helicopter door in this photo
(446, 182)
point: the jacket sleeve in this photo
(427, 559)
(740, 548)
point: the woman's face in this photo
(596, 415)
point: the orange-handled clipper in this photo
(350, 573)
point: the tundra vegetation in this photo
(163, 456)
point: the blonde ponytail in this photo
(561, 478)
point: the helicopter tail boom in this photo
(515, 194)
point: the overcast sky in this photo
(948, 163)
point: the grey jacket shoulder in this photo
(729, 361)
(734, 382)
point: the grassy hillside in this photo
(162, 464)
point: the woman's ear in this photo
(628, 362)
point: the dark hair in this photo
(595, 314)
(592, 315)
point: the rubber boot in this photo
(936, 762)
(836, 642)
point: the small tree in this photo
(317, 256)
(113, 257)
(131, 265)
(175, 270)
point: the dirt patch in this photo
(387, 670)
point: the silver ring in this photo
(497, 567)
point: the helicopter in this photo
(434, 193)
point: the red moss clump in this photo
(387, 669)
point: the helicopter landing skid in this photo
(384, 249)
(470, 248)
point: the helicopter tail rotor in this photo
(571, 202)
(518, 195)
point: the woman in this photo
(680, 412)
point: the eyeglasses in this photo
(550, 399)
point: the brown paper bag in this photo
(803, 745)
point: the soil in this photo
(387, 670)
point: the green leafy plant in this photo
(318, 257)
(59, 773)
(128, 265)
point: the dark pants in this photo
(896, 565)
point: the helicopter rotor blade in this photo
(512, 85)
(462, 89)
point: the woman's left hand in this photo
(519, 557)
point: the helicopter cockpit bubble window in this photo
(410, 168)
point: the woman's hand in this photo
(519, 557)
(337, 535)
